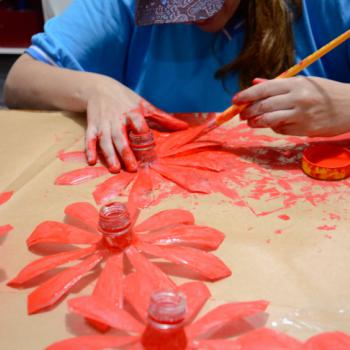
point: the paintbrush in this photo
(194, 133)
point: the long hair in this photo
(268, 47)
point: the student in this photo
(101, 56)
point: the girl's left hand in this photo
(302, 106)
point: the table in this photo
(300, 265)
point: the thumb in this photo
(166, 120)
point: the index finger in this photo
(261, 91)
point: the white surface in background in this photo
(53, 8)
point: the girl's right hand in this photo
(113, 110)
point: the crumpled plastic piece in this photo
(138, 290)
(170, 234)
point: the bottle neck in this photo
(166, 322)
(115, 225)
(143, 147)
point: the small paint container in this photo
(326, 162)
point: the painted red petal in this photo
(197, 294)
(134, 212)
(202, 160)
(165, 219)
(96, 309)
(57, 232)
(223, 315)
(75, 156)
(5, 229)
(142, 190)
(191, 235)
(93, 342)
(83, 212)
(264, 338)
(181, 138)
(327, 341)
(79, 176)
(140, 285)
(48, 263)
(112, 187)
(5, 196)
(217, 344)
(194, 181)
(109, 286)
(206, 264)
(55, 288)
(191, 148)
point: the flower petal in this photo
(74, 156)
(5, 196)
(206, 264)
(202, 160)
(202, 237)
(5, 229)
(197, 294)
(224, 314)
(142, 190)
(140, 285)
(57, 232)
(83, 212)
(47, 263)
(327, 341)
(97, 310)
(53, 289)
(165, 219)
(112, 187)
(92, 342)
(195, 181)
(191, 148)
(79, 176)
(217, 344)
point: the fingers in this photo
(136, 122)
(90, 145)
(273, 120)
(261, 91)
(268, 105)
(166, 120)
(106, 145)
(120, 140)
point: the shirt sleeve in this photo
(90, 35)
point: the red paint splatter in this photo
(5, 229)
(278, 232)
(329, 236)
(334, 216)
(284, 217)
(327, 228)
(249, 168)
(5, 196)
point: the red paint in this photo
(111, 236)
(180, 327)
(92, 151)
(248, 168)
(79, 176)
(278, 232)
(284, 217)
(75, 156)
(334, 216)
(329, 236)
(5, 196)
(5, 229)
(327, 228)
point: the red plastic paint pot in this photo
(326, 162)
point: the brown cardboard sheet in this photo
(303, 272)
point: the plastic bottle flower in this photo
(189, 167)
(110, 235)
(4, 197)
(166, 312)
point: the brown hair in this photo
(268, 47)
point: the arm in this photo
(108, 104)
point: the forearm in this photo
(33, 84)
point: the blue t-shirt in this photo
(173, 65)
